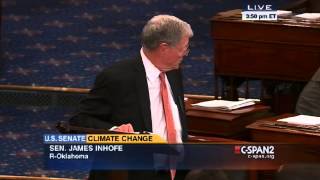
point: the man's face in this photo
(172, 56)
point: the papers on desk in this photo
(310, 124)
(226, 105)
(284, 13)
(231, 12)
(310, 16)
(302, 120)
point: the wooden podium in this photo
(229, 124)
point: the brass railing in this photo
(44, 88)
(79, 90)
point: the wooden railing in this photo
(80, 90)
(9, 177)
(44, 88)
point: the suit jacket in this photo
(309, 99)
(120, 95)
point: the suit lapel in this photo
(143, 94)
(173, 78)
(174, 87)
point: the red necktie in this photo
(171, 132)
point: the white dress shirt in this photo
(156, 107)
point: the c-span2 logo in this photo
(256, 151)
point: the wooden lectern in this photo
(227, 124)
(284, 50)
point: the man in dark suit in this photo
(128, 96)
(309, 100)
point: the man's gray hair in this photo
(164, 29)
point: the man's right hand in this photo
(125, 128)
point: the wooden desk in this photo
(229, 124)
(283, 50)
(305, 146)
(212, 139)
(287, 49)
(262, 133)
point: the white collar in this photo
(152, 71)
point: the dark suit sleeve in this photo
(309, 100)
(95, 109)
